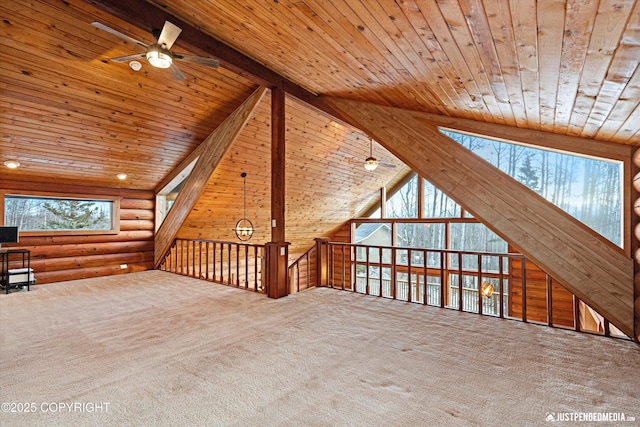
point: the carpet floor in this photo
(158, 349)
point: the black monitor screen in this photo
(8, 234)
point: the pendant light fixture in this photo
(244, 228)
(371, 163)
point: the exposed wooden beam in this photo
(148, 17)
(216, 145)
(587, 266)
(278, 131)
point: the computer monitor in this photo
(8, 235)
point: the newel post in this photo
(322, 261)
(277, 256)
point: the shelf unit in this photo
(15, 269)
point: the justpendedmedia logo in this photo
(602, 417)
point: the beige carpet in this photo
(159, 349)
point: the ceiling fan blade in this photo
(117, 33)
(208, 62)
(176, 73)
(169, 34)
(128, 57)
(386, 165)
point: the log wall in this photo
(59, 257)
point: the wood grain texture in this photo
(58, 257)
(326, 184)
(560, 245)
(216, 145)
(69, 114)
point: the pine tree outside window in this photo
(37, 214)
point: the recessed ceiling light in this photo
(135, 65)
(122, 176)
(12, 164)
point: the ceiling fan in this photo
(159, 54)
(371, 163)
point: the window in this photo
(477, 238)
(31, 213)
(404, 203)
(166, 197)
(437, 204)
(588, 188)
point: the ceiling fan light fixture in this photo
(159, 57)
(371, 164)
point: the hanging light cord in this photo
(244, 191)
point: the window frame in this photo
(115, 212)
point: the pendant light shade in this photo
(244, 228)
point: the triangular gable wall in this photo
(587, 266)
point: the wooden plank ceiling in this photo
(567, 67)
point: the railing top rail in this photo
(448, 251)
(219, 242)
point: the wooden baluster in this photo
(425, 271)
(246, 267)
(460, 300)
(443, 281)
(480, 311)
(367, 288)
(501, 285)
(549, 289)
(524, 289)
(576, 313)
(237, 265)
(409, 283)
(380, 253)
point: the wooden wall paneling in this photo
(611, 107)
(536, 296)
(468, 105)
(598, 274)
(608, 28)
(443, 47)
(217, 145)
(618, 124)
(148, 16)
(486, 46)
(579, 20)
(490, 87)
(384, 23)
(525, 29)
(71, 106)
(506, 55)
(551, 16)
(59, 257)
